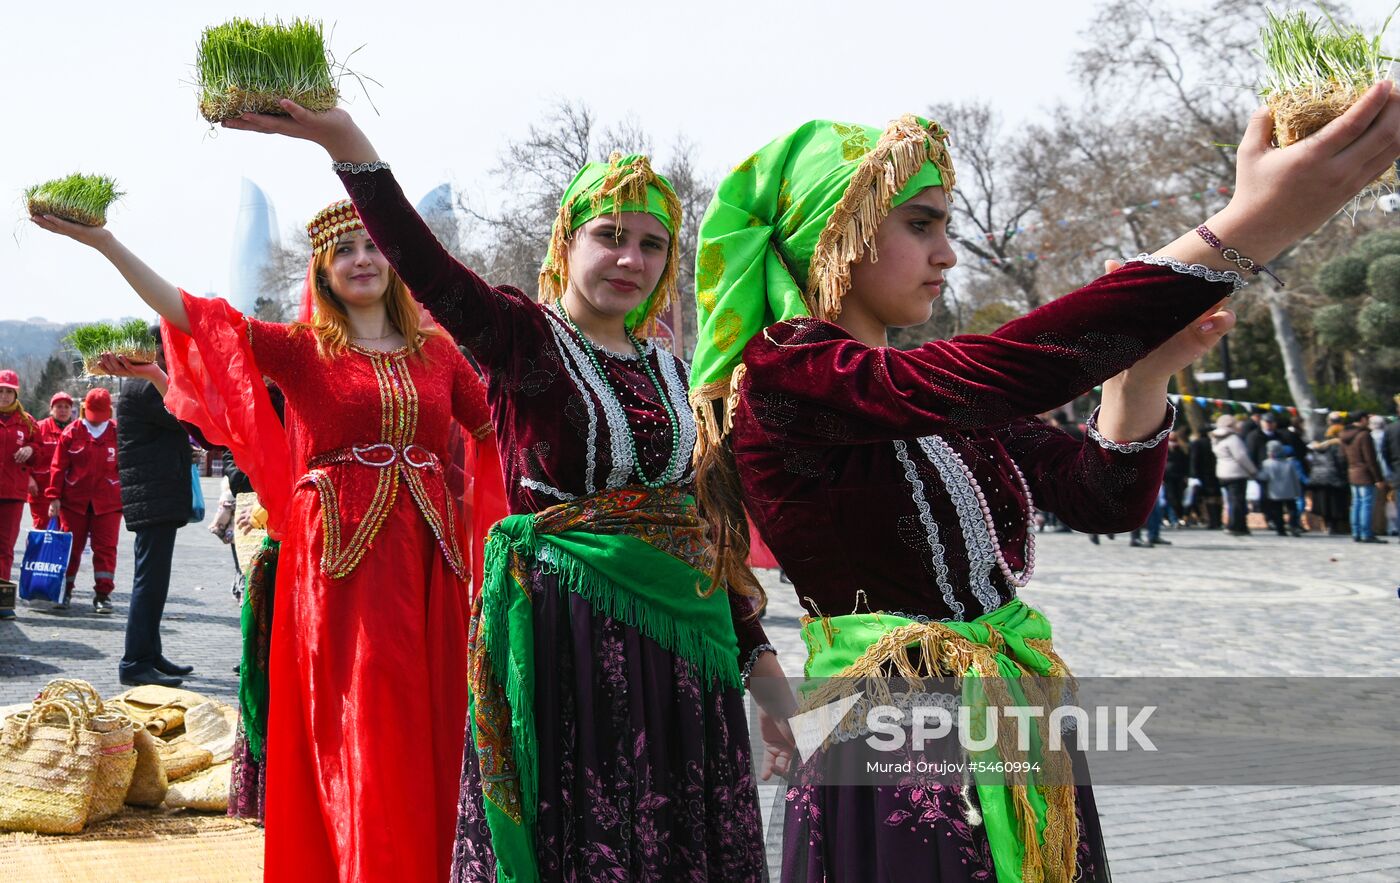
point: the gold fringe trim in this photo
(713, 406)
(920, 651)
(850, 231)
(624, 184)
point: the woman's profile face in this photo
(615, 264)
(897, 284)
(358, 274)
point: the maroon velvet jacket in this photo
(849, 454)
(561, 433)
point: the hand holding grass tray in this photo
(247, 67)
(1316, 69)
(132, 341)
(82, 199)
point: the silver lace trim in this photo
(359, 168)
(940, 565)
(1092, 427)
(680, 406)
(981, 550)
(549, 490)
(753, 660)
(1200, 271)
(563, 343)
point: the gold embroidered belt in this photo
(380, 455)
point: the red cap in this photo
(97, 405)
(9, 380)
(60, 396)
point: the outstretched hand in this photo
(333, 129)
(93, 237)
(121, 366)
(1282, 195)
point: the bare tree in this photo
(1199, 68)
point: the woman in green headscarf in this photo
(896, 487)
(608, 736)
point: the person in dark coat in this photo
(154, 458)
(1208, 491)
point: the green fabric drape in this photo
(1030, 826)
(778, 237)
(630, 554)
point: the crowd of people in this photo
(1258, 462)
(583, 717)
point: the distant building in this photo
(439, 210)
(255, 238)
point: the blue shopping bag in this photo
(196, 496)
(45, 565)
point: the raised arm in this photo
(483, 318)
(158, 294)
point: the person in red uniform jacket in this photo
(86, 494)
(17, 439)
(45, 443)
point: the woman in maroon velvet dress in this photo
(896, 487)
(369, 636)
(644, 765)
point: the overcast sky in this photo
(102, 87)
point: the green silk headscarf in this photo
(783, 229)
(622, 184)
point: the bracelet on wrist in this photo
(1233, 255)
(359, 168)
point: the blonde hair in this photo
(331, 325)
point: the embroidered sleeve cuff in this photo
(359, 168)
(1201, 271)
(753, 660)
(1092, 426)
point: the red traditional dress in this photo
(369, 637)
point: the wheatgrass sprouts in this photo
(1315, 68)
(83, 199)
(132, 339)
(246, 66)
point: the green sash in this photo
(1031, 826)
(255, 621)
(635, 555)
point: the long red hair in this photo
(324, 315)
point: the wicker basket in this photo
(49, 761)
(114, 735)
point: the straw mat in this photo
(139, 845)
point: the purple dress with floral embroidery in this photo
(645, 772)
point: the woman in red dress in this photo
(369, 640)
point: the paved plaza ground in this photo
(1202, 606)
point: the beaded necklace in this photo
(1022, 579)
(672, 470)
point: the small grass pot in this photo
(83, 199)
(1315, 69)
(247, 66)
(132, 339)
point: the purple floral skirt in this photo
(248, 782)
(644, 772)
(921, 827)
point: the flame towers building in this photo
(254, 240)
